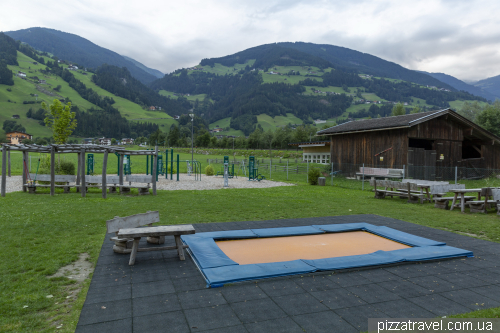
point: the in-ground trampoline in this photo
(234, 256)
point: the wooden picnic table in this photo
(462, 196)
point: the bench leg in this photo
(143, 191)
(442, 204)
(135, 246)
(67, 189)
(454, 201)
(112, 189)
(180, 250)
(31, 189)
(156, 240)
(124, 190)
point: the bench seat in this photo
(443, 202)
(160, 231)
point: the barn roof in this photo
(405, 121)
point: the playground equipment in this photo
(90, 164)
(253, 170)
(226, 171)
(127, 164)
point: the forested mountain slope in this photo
(74, 48)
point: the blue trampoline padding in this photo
(292, 231)
(389, 233)
(403, 237)
(344, 227)
(431, 253)
(217, 277)
(230, 234)
(207, 253)
(363, 260)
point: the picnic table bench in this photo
(129, 231)
(379, 173)
(67, 179)
(403, 190)
(481, 206)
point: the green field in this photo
(457, 105)
(192, 98)
(223, 70)
(267, 123)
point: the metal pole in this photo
(83, 187)
(147, 164)
(4, 169)
(363, 186)
(172, 164)
(456, 174)
(155, 170)
(192, 139)
(8, 156)
(177, 167)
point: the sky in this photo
(456, 37)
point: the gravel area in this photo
(185, 183)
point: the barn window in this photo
(470, 150)
(421, 143)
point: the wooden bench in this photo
(142, 189)
(96, 181)
(403, 190)
(481, 206)
(129, 232)
(443, 202)
(374, 173)
(46, 178)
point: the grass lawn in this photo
(43, 233)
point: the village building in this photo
(315, 151)
(127, 141)
(16, 138)
(437, 140)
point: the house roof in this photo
(405, 121)
(308, 143)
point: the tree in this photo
(489, 119)
(416, 109)
(60, 120)
(113, 141)
(398, 110)
(470, 110)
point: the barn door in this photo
(430, 165)
(421, 164)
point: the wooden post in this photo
(120, 158)
(4, 169)
(52, 170)
(25, 171)
(83, 187)
(8, 157)
(104, 166)
(409, 191)
(78, 167)
(155, 165)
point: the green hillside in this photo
(24, 90)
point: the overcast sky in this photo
(456, 37)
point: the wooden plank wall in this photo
(491, 155)
(438, 129)
(361, 148)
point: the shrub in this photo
(209, 170)
(66, 168)
(314, 174)
(168, 169)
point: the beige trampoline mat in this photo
(276, 249)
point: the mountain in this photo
(461, 85)
(151, 71)
(364, 63)
(74, 48)
(491, 85)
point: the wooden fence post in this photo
(4, 169)
(52, 170)
(104, 166)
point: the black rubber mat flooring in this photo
(160, 293)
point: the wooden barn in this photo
(437, 140)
